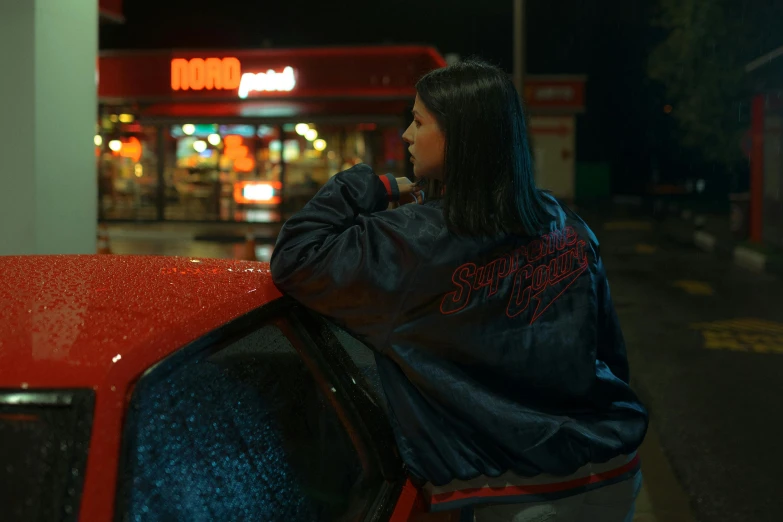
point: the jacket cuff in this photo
(391, 186)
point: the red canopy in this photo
(331, 80)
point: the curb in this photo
(750, 259)
(185, 232)
(741, 256)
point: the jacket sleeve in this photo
(346, 257)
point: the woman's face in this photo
(426, 143)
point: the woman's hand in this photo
(409, 192)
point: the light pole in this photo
(519, 45)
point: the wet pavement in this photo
(705, 343)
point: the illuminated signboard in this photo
(257, 192)
(226, 74)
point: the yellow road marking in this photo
(742, 335)
(752, 325)
(628, 225)
(642, 248)
(695, 287)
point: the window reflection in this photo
(216, 171)
(315, 152)
(127, 170)
(245, 172)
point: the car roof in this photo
(93, 320)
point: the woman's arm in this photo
(345, 256)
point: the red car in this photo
(152, 388)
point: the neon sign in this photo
(235, 151)
(130, 149)
(269, 81)
(198, 74)
(225, 74)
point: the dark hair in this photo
(488, 169)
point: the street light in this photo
(519, 45)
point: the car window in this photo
(43, 451)
(246, 433)
(364, 359)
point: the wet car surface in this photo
(156, 388)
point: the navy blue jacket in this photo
(495, 354)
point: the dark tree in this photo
(701, 66)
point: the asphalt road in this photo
(705, 344)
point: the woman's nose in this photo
(406, 137)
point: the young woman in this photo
(498, 347)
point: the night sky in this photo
(608, 41)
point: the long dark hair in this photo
(488, 168)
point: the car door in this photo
(267, 418)
(356, 362)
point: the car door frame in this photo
(366, 414)
(327, 360)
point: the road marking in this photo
(742, 335)
(643, 248)
(628, 225)
(695, 287)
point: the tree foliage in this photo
(701, 65)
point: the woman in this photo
(498, 347)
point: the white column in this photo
(48, 105)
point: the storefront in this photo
(246, 136)
(553, 102)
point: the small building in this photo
(552, 103)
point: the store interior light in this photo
(188, 129)
(126, 118)
(200, 145)
(138, 170)
(301, 128)
(98, 140)
(259, 192)
(115, 145)
(214, 139)
(266, 130)
(311, 134)
(319, 144)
